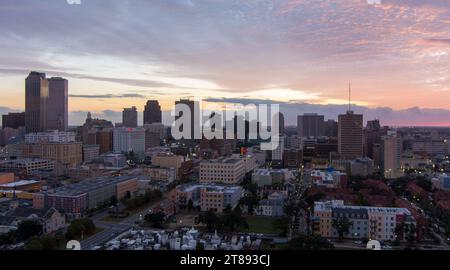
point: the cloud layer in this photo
(396, 54)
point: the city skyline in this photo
(300, 54)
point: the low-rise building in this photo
(28, 166)
(88, 194)
(53, 136)
(359, 166)
(6, 178)
(442, 182)
(273, 206)
(50, 219)
(329, 178)
(160, 174)
(269, 177)
(209, 197)
(378, 223)
(22, 185)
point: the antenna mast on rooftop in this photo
(349, 96)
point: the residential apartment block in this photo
(377, 223)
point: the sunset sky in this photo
(299, 53)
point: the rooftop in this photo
(19, 183)
(89, 185)
(209, 187)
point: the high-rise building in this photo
(350, 135)
(372, 137)
(13, 120)
(36, 97)
(46, 103)
(281, 123)
(330, 128)
(191, 105)
(391, 153)
(310, 125)
(58, 104)
(130, 117)
(129, 139)
(152, 112)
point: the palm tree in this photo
(342, 226)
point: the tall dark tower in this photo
(36, 97)
(130, 117)
(152, 112)
(191, 105)
(58, 105)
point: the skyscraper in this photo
(57, 104)
(372, 137)
(330, 128)
(281, 123)
(46, 103)
(129, 117)
(36, 96)
(350, 135)
(310, 125)
(152, 112)
(191, 105)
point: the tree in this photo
(28, 229)
(305, 242)
(424, 183)
(45, 242)
(210, 219)
(156, 220)
(282, 224)
(410, 233)
(113, 200)
(190, 205)
(250, 201)
(233, 219)
(311, 199)
(342, 226)
(34, 244)
(79, 228)
(200, 246)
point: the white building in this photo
(226, 171)
(54, 136)
(129, 139)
